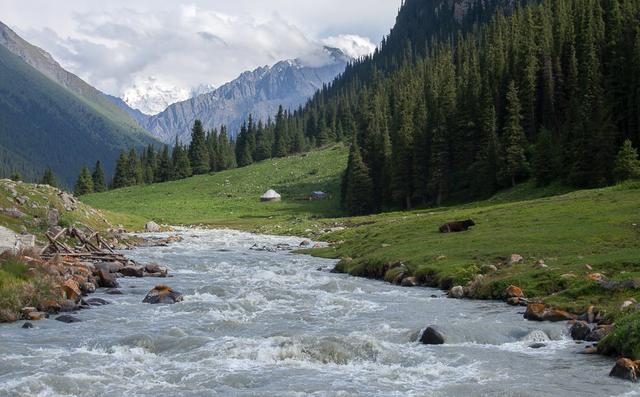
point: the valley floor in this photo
(567, 240)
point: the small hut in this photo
(270, 195)
(318, 196)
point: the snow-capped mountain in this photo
(259, 92)
(152, 96)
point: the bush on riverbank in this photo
(23, 285)
(625, 338)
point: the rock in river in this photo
(432, 336)
(456, 292)
(106, 279)
(152, 227)
(163, 294)
(625, 369)
(67, 319)
(580, 330)
(132, 271)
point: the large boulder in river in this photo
(580, 330)
(432, 336)
(163, 294)
(132, 271)
(539, 312)
(109, 267)
(626, 369)
(152, 227)
(106, 279)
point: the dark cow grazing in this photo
(455, 227)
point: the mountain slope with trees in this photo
(43, 124)
(468, 97)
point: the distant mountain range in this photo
(259, 92)
(51, 117)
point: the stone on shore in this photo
(409, 282)
(432, 336)
(132, 271)
(456, 292)
(514, 259)
(152, 227)
(163, 294)
(599, 333)
(625, 369)
(539, 312)
(514, 292)
(106, 279)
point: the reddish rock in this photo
(535, 312)
(132, 271)
(106, 279)
(163, 294)
(514, 292)
(625, 369)
(36, 316)
(71, 290)
(558, 315)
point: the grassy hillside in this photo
(48, 125)
(231, 198)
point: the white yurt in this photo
(270, 195)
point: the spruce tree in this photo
(121, 174)
(15, 176)
(486, 162)
(84, 184)
(514, 142)
(546, 158)
(48, 178)
(627, 165)
(164, 171)
(182, 166)
(99, 184)
(280, 144)
(135, 173)
(198, 151)
(357, 183)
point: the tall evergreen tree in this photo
(514, 142)
(165, 168)
(358, 187)
(198, 151)
(84, 184)
(280, 144)
(627, 165)
(48, 178)
(546, 158)
(121, 174)
(98, 178)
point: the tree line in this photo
(548, 91)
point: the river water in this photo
(260, 323)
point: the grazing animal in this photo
(456, 227)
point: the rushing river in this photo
(260, 323)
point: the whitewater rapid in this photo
(263, 323)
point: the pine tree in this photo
(546, 158)
(135, 173)
(121, 174)
(280, 144)
(514, 141)
(627, 164)
(84, 184)
(164, 171)
(357, 182)
(486, 162)
(181, 165)
(99, 184)
(15, 176)
(48, 178)
(198, 151)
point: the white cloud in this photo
(352, 45)
(119, 45)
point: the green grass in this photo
(574, 232)
(232, 198)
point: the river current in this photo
(263, 323)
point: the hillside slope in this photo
(48, 125)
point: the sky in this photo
(170, 47)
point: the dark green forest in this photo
(463, 99)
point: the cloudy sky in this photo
(129, 47)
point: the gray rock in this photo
(106, 279)
(97, 302)
(432, 336)
(67, 319)
(625, 369)
(580, 330)
(132, 271)
(113, 291)
(163, 294)
(537, 345)
(152, 227)
(27, 325)
(53, 217)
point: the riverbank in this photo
(579, 250)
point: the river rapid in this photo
(261, 323)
